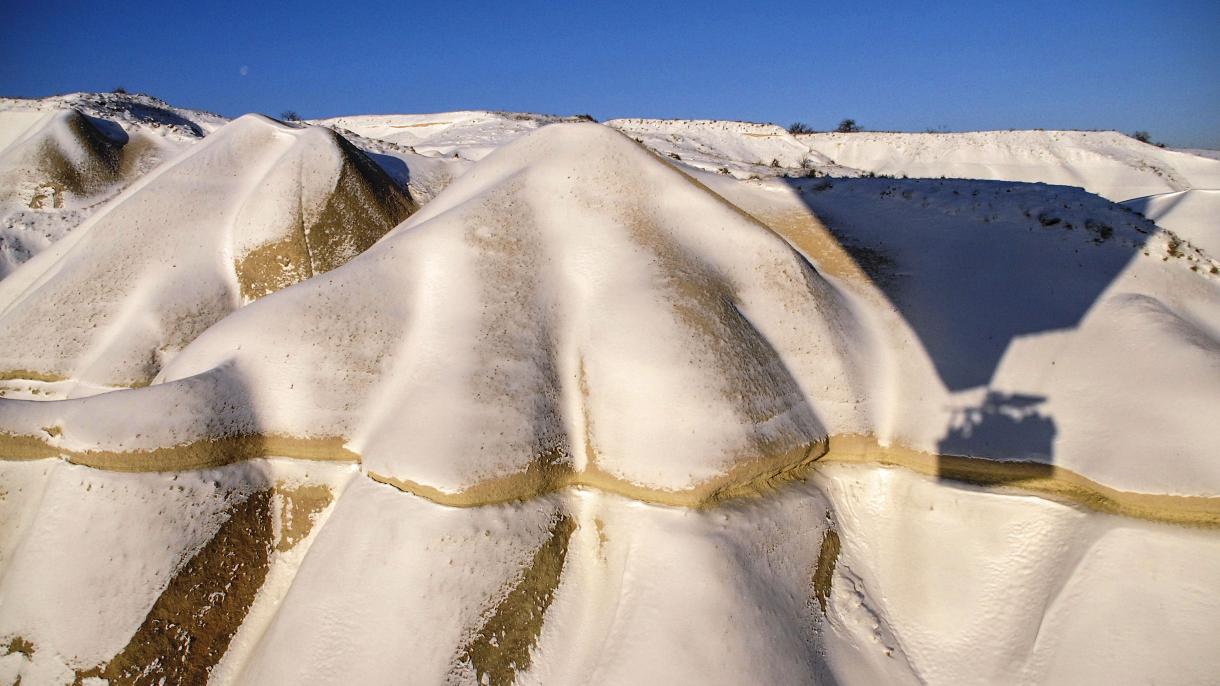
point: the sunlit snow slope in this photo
(1107, 163)
(1193, 215)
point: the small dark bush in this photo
(1142, 136)
(848, 126)
(290, 115)
(800, 127)
(120, 90)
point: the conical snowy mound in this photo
(255, 207)
(573, 310)
(61, 153)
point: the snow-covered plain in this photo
(677, 409)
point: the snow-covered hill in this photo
(255, 207)
(62, 157)
(603, 410)
(741, 149)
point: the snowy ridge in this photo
(1193, 215)
(460, 135)
(1107, 163)
(694, 297)
(741, 149)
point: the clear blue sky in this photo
(900, 66)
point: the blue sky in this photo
(895, 66)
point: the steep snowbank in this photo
(276, 572)
(1020, 322)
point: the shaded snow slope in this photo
(1193, 215)
(255, 207)
(1107, 163)
(1021, 322)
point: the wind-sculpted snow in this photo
(255, 207)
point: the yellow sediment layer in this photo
(1049, 481)
(748, 479)
(29, 375)
(15, 447)
(752, 478)
(200, 454)
(190, 625)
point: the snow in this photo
(166, 259)
(598, 415)
(460, 135)
(741, 149)
(1193, 215)
(934, 583)
(494, 263)
(1107, 163)
(1105, 351)
(41, 202)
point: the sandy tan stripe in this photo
(15, 447)
(29, 375)
(503, 645)
(194, 455)
(751, 479)
(192, 622)
(1049, 481)
(824, 574)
